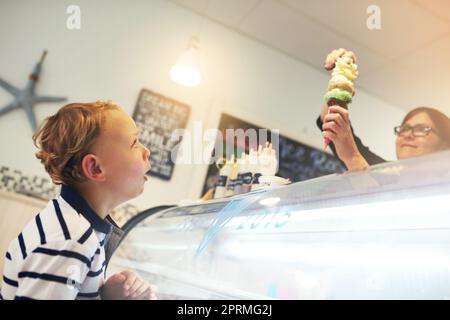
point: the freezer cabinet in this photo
(383, 233)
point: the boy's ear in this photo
(90, 165)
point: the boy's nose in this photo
(146, 153)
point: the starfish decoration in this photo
(26, 98)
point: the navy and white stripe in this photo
(23, 298)
(10, 282)
(88, 294)
(98, 272)
(40, 229)
(23, 249)
(48, 277)
(64, 253)
(86, 235)
(60, 254)
(61, 220)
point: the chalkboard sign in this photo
(297, 161)
(157, 117)
(300, 162)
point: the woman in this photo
(423, 130)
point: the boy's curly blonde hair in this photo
(66, 137)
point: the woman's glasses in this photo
(417, 131)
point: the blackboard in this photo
(157, 117)
(300, 162)
(297, 161)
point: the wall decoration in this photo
(26, 98)
(157, 117)
(297, 161)
(16, 181)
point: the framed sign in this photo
(297, 161)
(157, 117)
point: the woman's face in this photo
(408, 145)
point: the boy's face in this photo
(123, 158)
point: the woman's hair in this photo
(440, 121)
(66, 137)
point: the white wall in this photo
(124, 46)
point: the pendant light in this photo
(187, 70)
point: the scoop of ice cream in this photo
(341, 82)
(339, 78)
(346, 67)
(339, 94)
(331, 59)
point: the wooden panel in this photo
(16, 210)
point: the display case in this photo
(383, 233)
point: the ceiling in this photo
(406, 62)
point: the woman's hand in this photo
(336, 127)
(127, 285)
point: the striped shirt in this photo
(60, 254)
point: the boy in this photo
(92, 150)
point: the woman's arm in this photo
(345, 145)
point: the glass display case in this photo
(383, 233)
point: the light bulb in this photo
(186, 71)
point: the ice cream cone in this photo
(341, 88)
(334, 102)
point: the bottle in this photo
(238, 184)
(232, 178)
(246, 175)
(268, 161)
(274, 161)
(255, 168)
(221, 184)
(243, 171)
